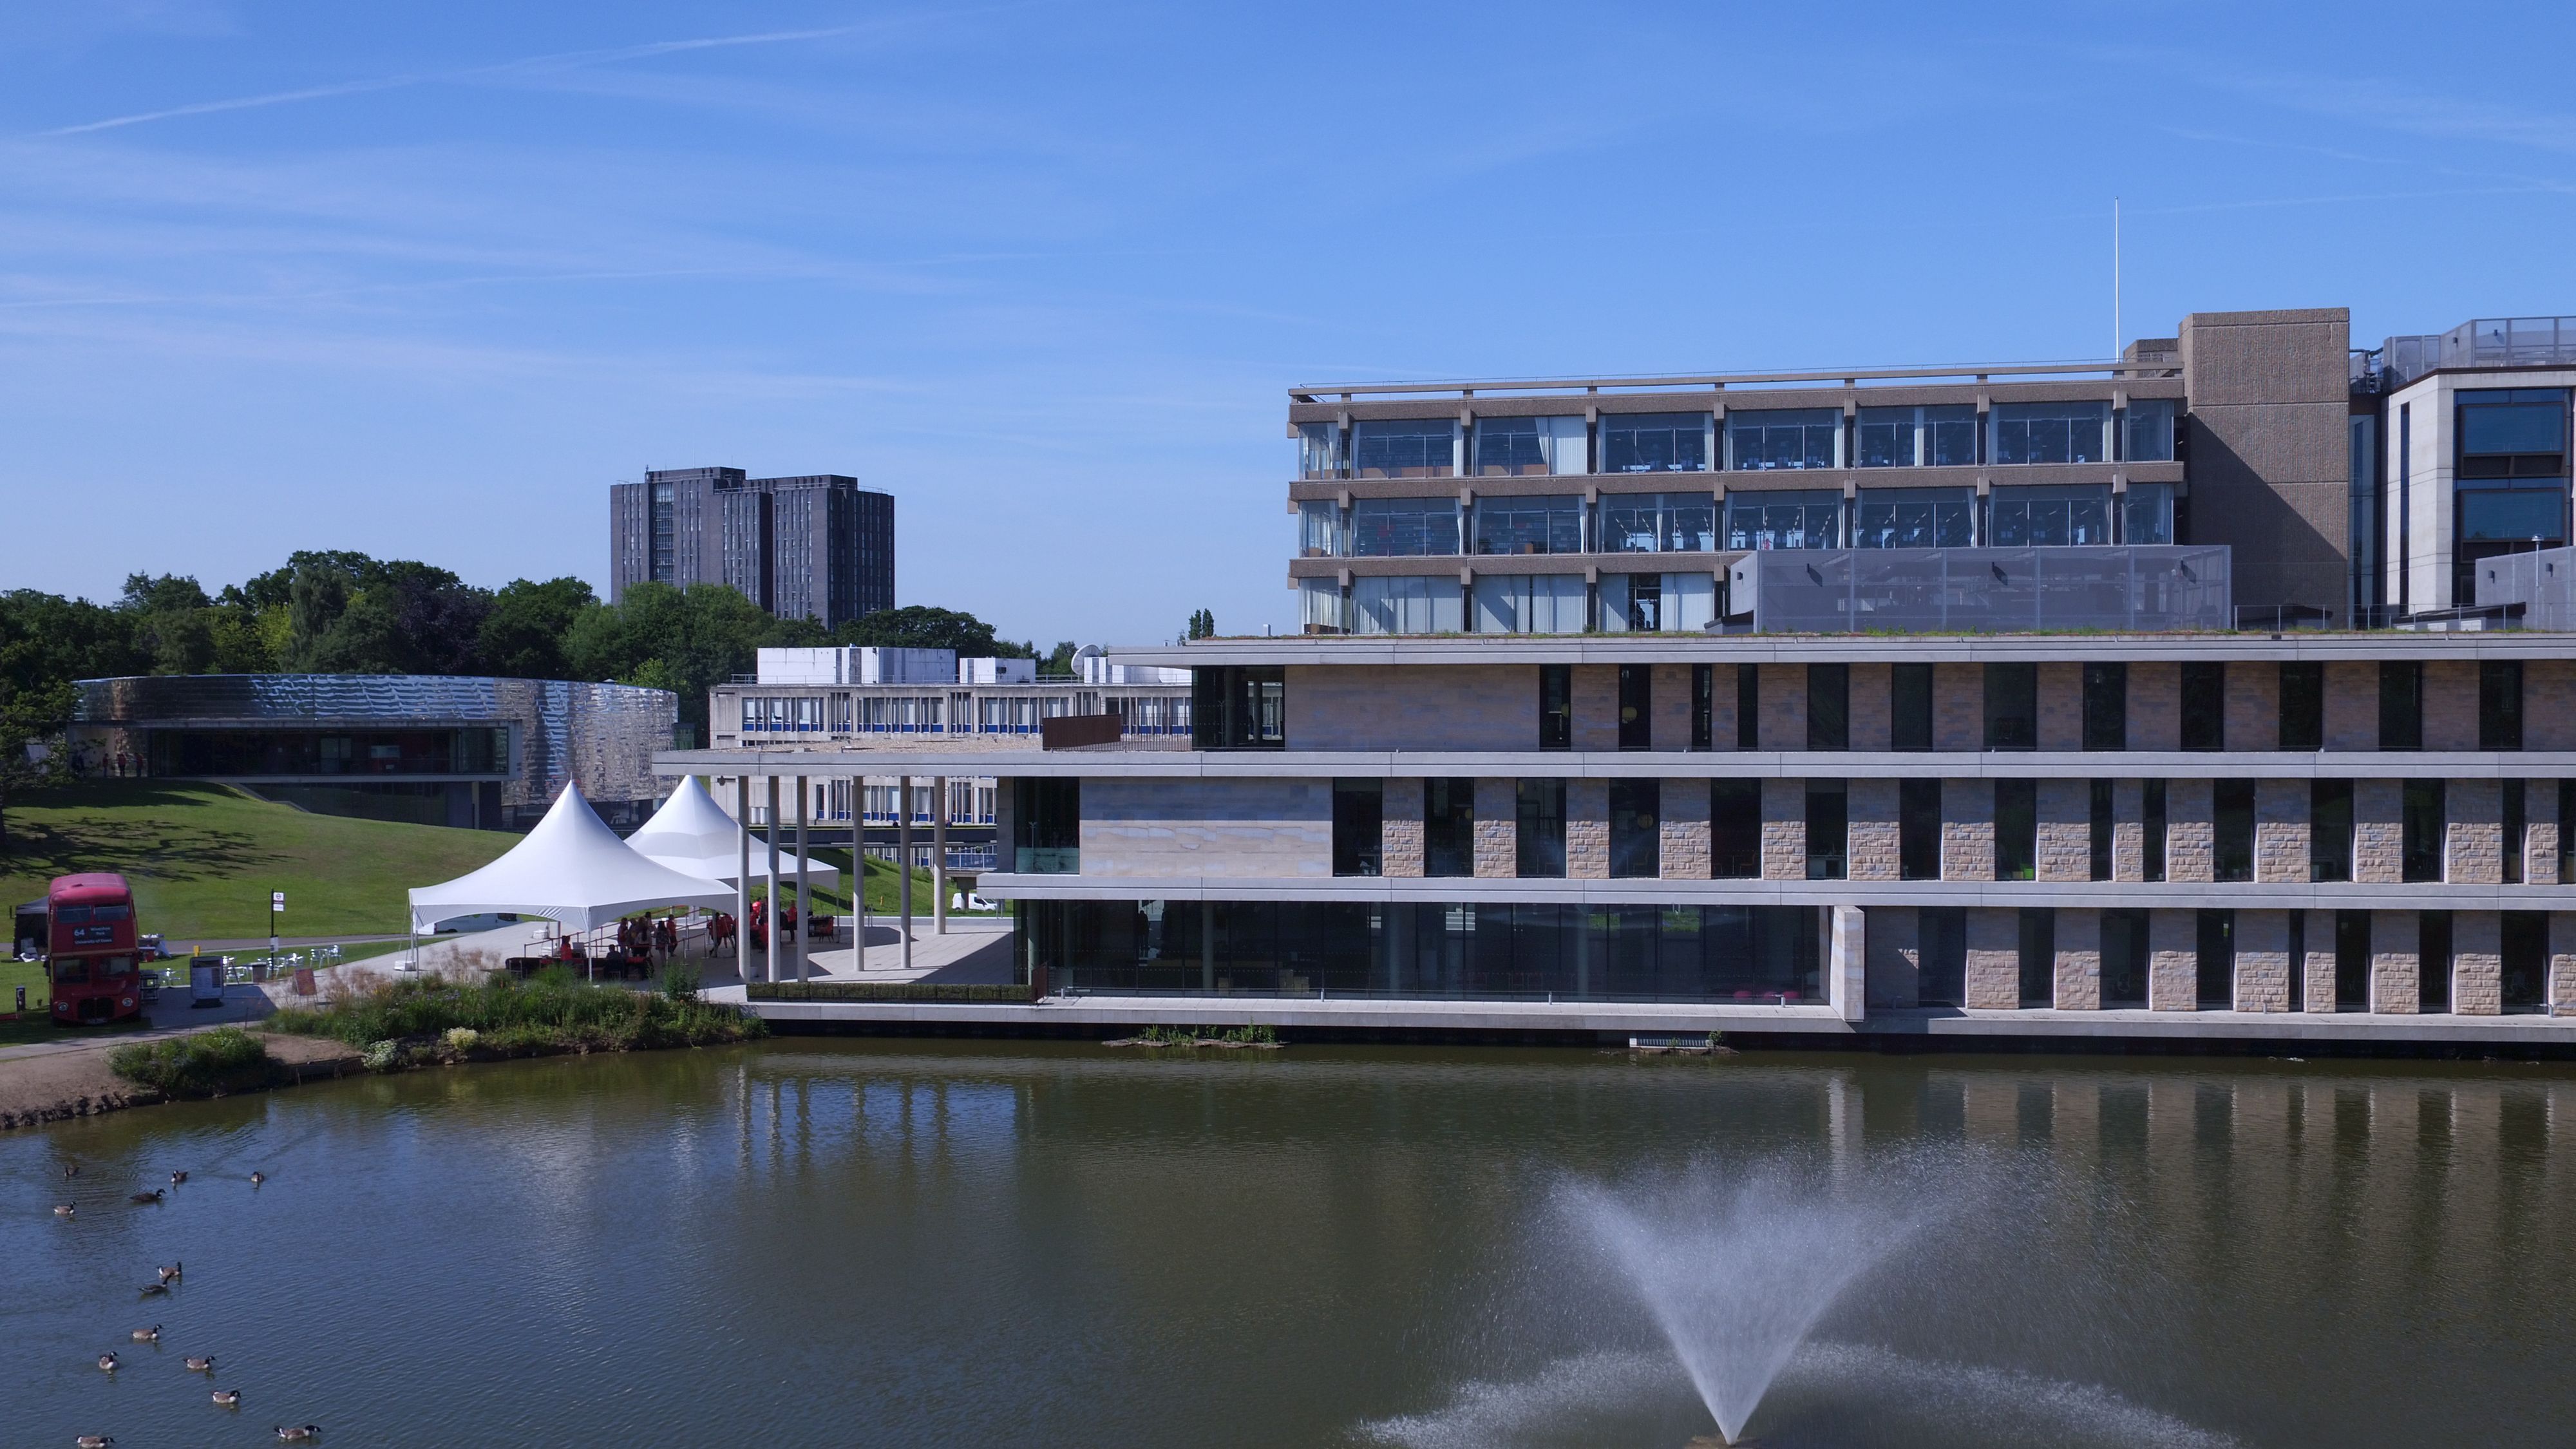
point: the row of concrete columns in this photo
(804, 897)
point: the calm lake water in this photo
(824, 1242)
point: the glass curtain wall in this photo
(1657, 523)
(2049, 517)
(1655, 442)
(1321, 609)
(2147, 431)
(1915, 518)
(1319, 530)
(2052, 432)
(1926, 437)
(1529, 603)
(1403, 527)
(1529, 447)
(1545, 523)
(1405, 448)
(1801, 518)
(1407, 604)
(2147, 513)
(1784, 438)
(1658, 603)
(1319, 450)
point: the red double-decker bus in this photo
(90, 954)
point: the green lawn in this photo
(203, 857)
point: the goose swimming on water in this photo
(291, 1433)
(201, 1364)
(257, 1178)
(155, 1195)
(171, 1273)
(107, 1362)
(64, 1210)
(228, 1398)
(177, 1178)
(147, 1335)
(96, 1441)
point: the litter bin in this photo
(205, 983)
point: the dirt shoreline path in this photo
(56, 1085)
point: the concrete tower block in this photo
(2253, 705)
(1683, 845)
(1967, 830)
(2155, 706)
(2477, 963)
(1498, 828)
(2320, 964)
(2474, 844)
(2450, 704)
(1895, 956)
(1958, 707)
(2173, 960)
(1784, 827)
(2549, 704)
(1402, 828)
(2352, 706)
(1587, 829)
(2061, 706)
(2281, 830)
(2188, 825)
(1672, 713)
(2378, 832)
(1873, 706)
(2396, 941)
(2262, 960)
(2128, 830)
(2065, 830)
(1596, 706)
(2540, 826)
(1784, 706)
(1994, 958)
(1874, 844)
(2079, 960)
(2562, 963)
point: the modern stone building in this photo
(1544, 758)
(814, 547)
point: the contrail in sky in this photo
(567, 60)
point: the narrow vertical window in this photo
(2012, 706)
(2330, 830)
(2516, 825)
(2526, 961)
(1449, 827)
(1918, 829)
(2124, 959)
(1828, 830)
(2352, 961)
(1942, 943)
(2303, 706)
(1748, 707)
(1556, 706)
(2106, 706)
(2500, 704)
(2217, 963)
(1359, 827)
(2401, 704)
(2038, 958)
(2104, 827)
(1703, 707)
(1636, 808)
(2298, 962)
(1541, 836)
(2016, 829)
(2204, 706)
(2567, 832)
(1636, 706)
(2423, 827)
(2152, 845)
(1910, 707)
(2231, 830)
(2433, 963)
(1829, 706)
(1735, 829)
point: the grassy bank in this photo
(201, 1064)
(412, 1022)
(203, 857)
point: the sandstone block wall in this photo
(2473, 847)
(1895, 956)
(1683, 849)
(2395, 939)
(2262, 960)
(2129, 830)
(1402, 836)
(1994, 958)
(2540, 829)
(2352, 706)
(2562, 963)
(1873, 700)
(1672, 706)
(2079, 960)
(1967, 830)
(2378, 832)
(2281, 830)
(1874, 844)
(2549, 704)
(2173, 958)
(2188, 831)
(1498, 826)
(2253, 706)
(2155, 706)
(2061, 706)
(2450, 704)
(1784, 826)
(2477, 963)
(1784, 706)
(1596, 706)
(2320, 964)
(1587, 829)
(2065, 828)
(1958, 707)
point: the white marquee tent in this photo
(693, 835)
(572, 868)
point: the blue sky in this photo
(423, 279)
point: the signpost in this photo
(276, 903)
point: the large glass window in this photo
(1654, 442)
(2533, 517)
(1359, 827)
(1918, 829)
(2401, 704)
(2106, 705)
(1046, 826)
(1529, 603)
(1321, 609)
(2513, 433)
(1405, 448)
(2231, 830)
(1636, 829)
(2329, 830)
(1449, 827)
(2016, 829)
(1636, 706)
(1407, 605)
(1403, 527)
(1667, 603)
(1541, 836)
(1915, 518)
(2303, 706)
(2052, 432)
(1828, 830)
(2049, 517)
(1556, 706)
(1928, 437)
(1529, 447)
(1735, 829)
(1909, 707)
(2204, 705)
(1801, 518)
(1658, 523)
(1319, 450)
(1784, 438)
(2012, 706)
(1239, 707)
(1319, 529)
(1829, 706)
(1547, 523)
(2500, 704)
(2423, 827)
(2147, 513)
(2147, 434)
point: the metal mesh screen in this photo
(1983, 590)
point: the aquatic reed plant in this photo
(553, 1011)
(200, 1064)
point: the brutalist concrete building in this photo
(1964, 702)
(816, 546)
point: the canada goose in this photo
(96, 1441)
(107, 1361)
(257, 1178)
(153, 1290)
(63, 1210)
(71, 1169)
(228, 1398)
(201, 1363)
(169, 1274)
(292, 1433)
(155, 1195)
(148, 1335)
(177, 1178)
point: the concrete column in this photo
(1847, 968)
(1873, 706)
(2262, 965)
(2251, 703)
(2320, 964)
(939, 856)
(1958, 707)
(2155, 705)
(2061, 706)
(2450, 704)
(1994, 958)
(804, 884)
(769, 953)
(2477, 963)
(1672, 707)
(2352, 706)
(2396, 942)
(2079, 960)
(2173, 959)
(1784, 706)
(2562, 963)
(903, 865)
(742, 877)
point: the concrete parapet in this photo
(2079, 960)
(1994, 958)
(1498, 827)
(2173, 960)
(2262, 961)
(2281, 830)
(2396, 944)
(1784, 826)
(1967, 830)
(1401, 828)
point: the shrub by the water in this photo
(554, 1011)
(227, 1059)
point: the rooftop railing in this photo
(2483, 342)
(2151, 365)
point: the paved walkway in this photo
(976, 950)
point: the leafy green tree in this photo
(919, 626)
(32, 718)
(684, 640)
(1202, 624)
(523, 635)
(1059, 660)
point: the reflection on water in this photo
(882, 1243)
